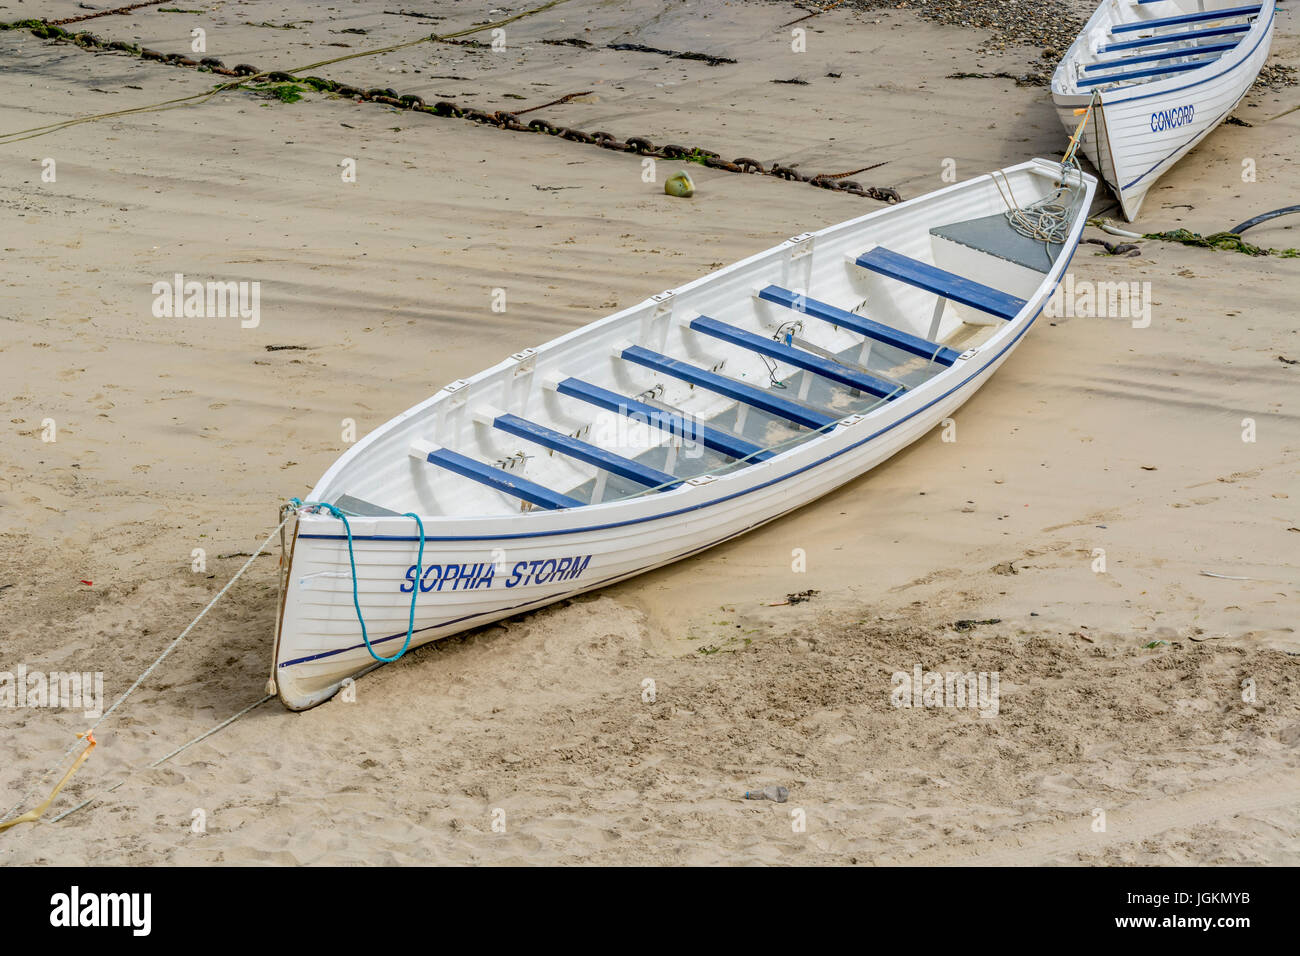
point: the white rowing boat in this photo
(667, 428)
(1160, 75)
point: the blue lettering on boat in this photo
(438, 580)
(467, 577)
(1172, 118)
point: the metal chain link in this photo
(502, 119)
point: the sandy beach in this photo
(1162, 692)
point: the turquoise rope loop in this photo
(352, 561)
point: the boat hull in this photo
(1138, 132)
(476, 570)
(319, 612)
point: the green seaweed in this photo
(697, 155)
(1226, 241)
(284, 92)
(318, 84)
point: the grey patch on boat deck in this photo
(994, 235)
(358, 506)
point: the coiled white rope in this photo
(1049, 219)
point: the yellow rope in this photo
(1077, 139)
(19, 135)
(31, 816)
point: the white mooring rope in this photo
(162, 760)
(33, 788)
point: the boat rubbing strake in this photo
(669, 427)
(1160, 76)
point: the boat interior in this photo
(1144, 41)
(722, 374)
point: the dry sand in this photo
(178, 434)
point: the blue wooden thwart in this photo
(1201, 16)
(1219, 48)
(761, 398)
(688, 429)
(941, 282)
(502, 481)
(796, 357)
(585, 451)
(1177, 37)
(1143, 74)
(860, 324)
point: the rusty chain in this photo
(502, 119)
(104, 13)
